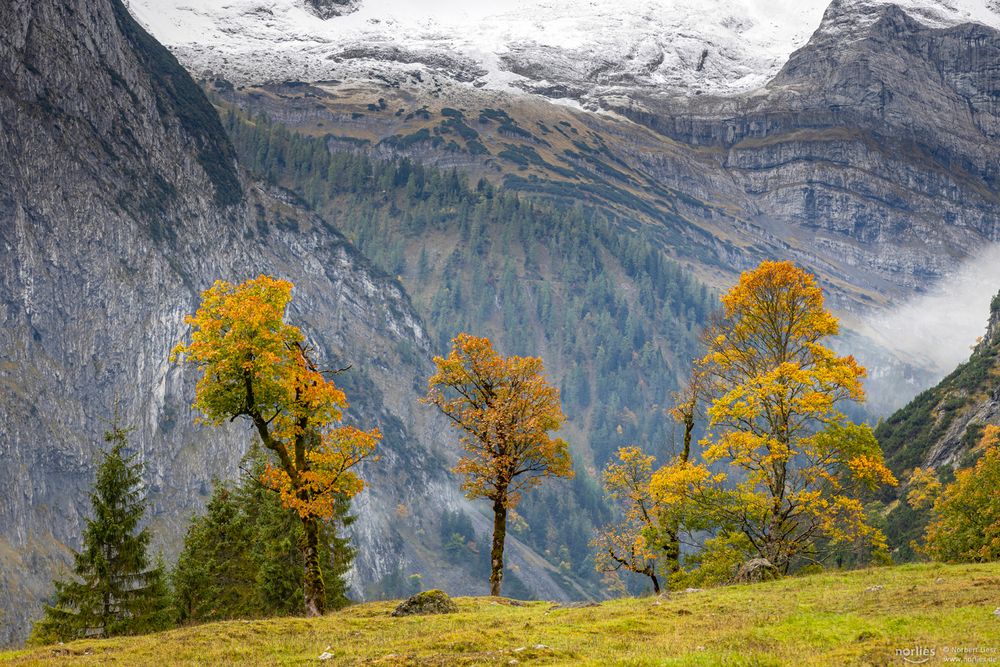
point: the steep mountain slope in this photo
(940, 428)
(942, 424)
(870, 155)
(121, 199)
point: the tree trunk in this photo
(672, 550)
(672, 547)
(656, 584)
(688, 430)
(313, 589)
(496, 553)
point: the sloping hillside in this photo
(940, 429)
(942, 424)
(926, 613)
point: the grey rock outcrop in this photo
(755, 570)
(326, 9)
(874, 148)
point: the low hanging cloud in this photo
(937, 330)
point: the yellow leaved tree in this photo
(256, 366)
(630, 543)
(965, 519)
(505, 410)
(795, 467)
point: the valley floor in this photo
(913, 614)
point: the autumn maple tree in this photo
(506, 410)
(256, 366)
(629, 543)
(798, 468)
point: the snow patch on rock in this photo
(560, 48)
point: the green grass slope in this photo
(855, 618)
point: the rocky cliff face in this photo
(877, 140)
(120, 200)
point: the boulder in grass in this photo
(426, 602)
(754, 570)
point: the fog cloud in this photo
(937, 330)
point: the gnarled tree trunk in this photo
(313, 588)
(496, 553)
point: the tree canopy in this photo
(505, 409)
(798, 468)
(965, 519)
(255, 365)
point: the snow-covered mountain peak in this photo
(846, 19)
(569, 48)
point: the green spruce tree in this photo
(210, 580)
(243, 558)
(114, 590)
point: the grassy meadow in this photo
(862, 617)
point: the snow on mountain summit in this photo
(564, 48)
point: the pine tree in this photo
(278, 533)
(114, 591)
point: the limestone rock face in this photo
(120, 201)
(877, 140)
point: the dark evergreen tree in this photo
(242, 558)
(114, 590)
(277, 532)
(211, 580)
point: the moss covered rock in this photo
(426, 602)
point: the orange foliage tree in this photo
(255, 365)
(801, 467)
(505, 410)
